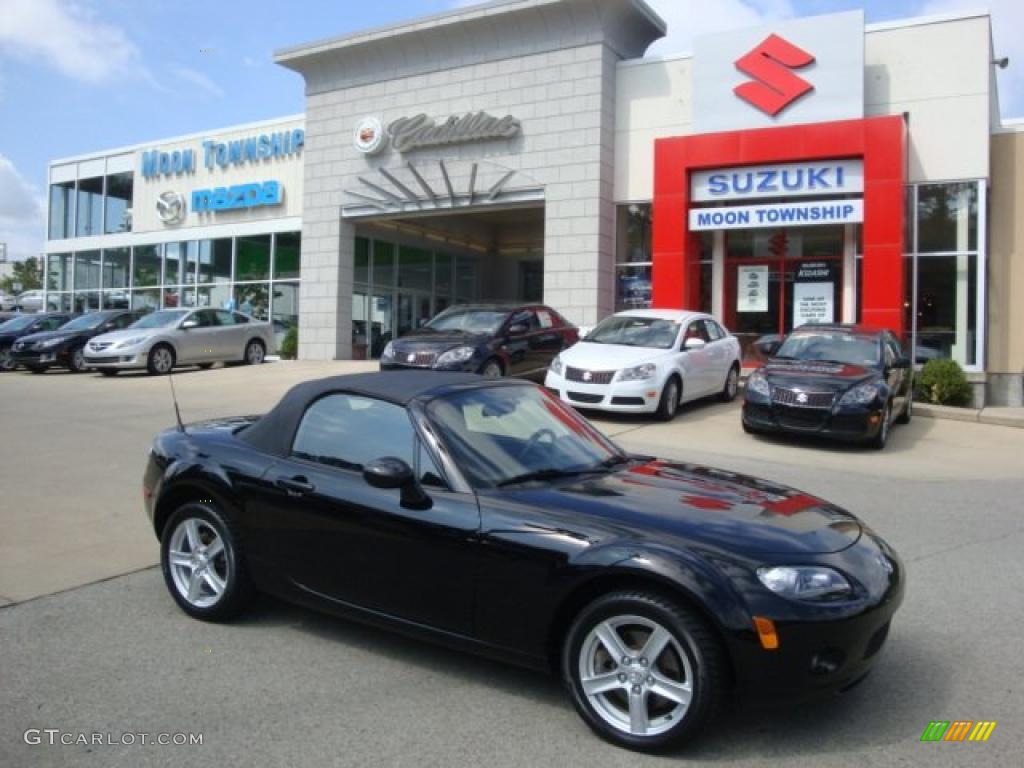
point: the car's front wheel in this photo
(644, 672)
(732, 385)
(879, 440)
(76, 362)
(254, 352)
(161, 360)
(491, 370)
(202, 563)
(669, 402)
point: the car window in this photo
(53, 323)
(224, 317)
(205, 318)
(714, 331)
(426, 469)
(123, 321)
(546, 319)
(240, 318)
(350, 431)
(696, 330)
(525, 317)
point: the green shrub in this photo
(943, 382)
(290, 344)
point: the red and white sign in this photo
(807, 70)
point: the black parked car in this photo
(838, 381)
(23, 325)
(65, 346)
(487, 515)
(490, 339)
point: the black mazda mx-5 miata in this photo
(486, 515)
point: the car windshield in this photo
(823, 346)
(630, 331)
(85, 322)
(468, 320)
(18, 323)
(161, 319)
(506, 435)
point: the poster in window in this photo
(752, 288)
(814, 291)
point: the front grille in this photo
(585, 397)
(801, 399)
(102, 360)
(589, 377)
(99, 346)
(627, 401)
(802, 418)
(418, 359)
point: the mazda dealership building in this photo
(818, 169)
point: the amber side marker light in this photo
(766, 633)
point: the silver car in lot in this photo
(170, 337)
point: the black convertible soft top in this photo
(273, 433)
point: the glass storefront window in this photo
(415, 268)
(118, 203)
(147, 299)
(361, 261)
(174, 256)
(87, 270)
(87, 302)
(632, 287)
(146, 270)
(62, 210)
(190, 262)
(116, 267)
(253, 299)
(287, 255)
(947, 217)
(286, 305)
(58, 272)
(116, 299)
(253, 258)
(947, 317)
(216, 296)
(633, 233)
(215, 261)
(90, 207)
(58, 302)
(466, 279)
(442, 282)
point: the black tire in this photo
(228, 565)
(255, 352)
(879, 441)
(492, 369)
(156, 362)
(6, 361)
(693, 651)
(732, 385)
(908, 410)
(671, 393)
(76, 360)
(205, 366)
(37, 368)
(108, 372)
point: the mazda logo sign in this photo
(170, 207)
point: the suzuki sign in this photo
(808, 70)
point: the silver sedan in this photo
(170, 337)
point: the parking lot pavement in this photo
(286, 686)
(72, 452)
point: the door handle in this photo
(295, 486)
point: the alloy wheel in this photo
(6, 364)
(163, 361)
(78, 360)
(492, 370)
(635, 675)
(198, 562)
(254, 353)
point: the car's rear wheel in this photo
(492, 369)
(732, 385)
(254, 352)
(202, 563)
(76, 362)
(644, 672)
(669, 402)
(878, 441)
(161, 360)
(37, 368)
(205, 366)
(108, 372)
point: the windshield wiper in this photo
(550, 473)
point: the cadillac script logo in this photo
(774, 86)
(170, 207)
(369, 136)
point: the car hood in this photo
(11, 336)
(715, 508)
(831, 377)
(34, 338)
(607, 357)
(117, 336)
(426, 339)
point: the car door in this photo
(896, 377)
(696, 362)
(719, 354)
(229, 343)
(196, 344)
(517, 333)
(352, 543)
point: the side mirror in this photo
(694, 343)
(189, 324)
(389, 473)
(768, 345)
(516, 329)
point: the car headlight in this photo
(758, 384)
(862, 394)
(457, 355)
(131, 342)
(389, 353)
(638, 372)
(804, 582)
(49, 343)
(557, 366)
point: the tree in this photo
(28, 272)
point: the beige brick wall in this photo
(1006, 255)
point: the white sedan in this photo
(648, 361)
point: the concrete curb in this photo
(1003, 417)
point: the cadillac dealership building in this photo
(814, 170)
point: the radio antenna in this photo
(174, 399)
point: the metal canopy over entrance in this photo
(439, 185)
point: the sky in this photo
(78, 76)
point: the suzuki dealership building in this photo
(814, 170)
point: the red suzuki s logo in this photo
(774, 85)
